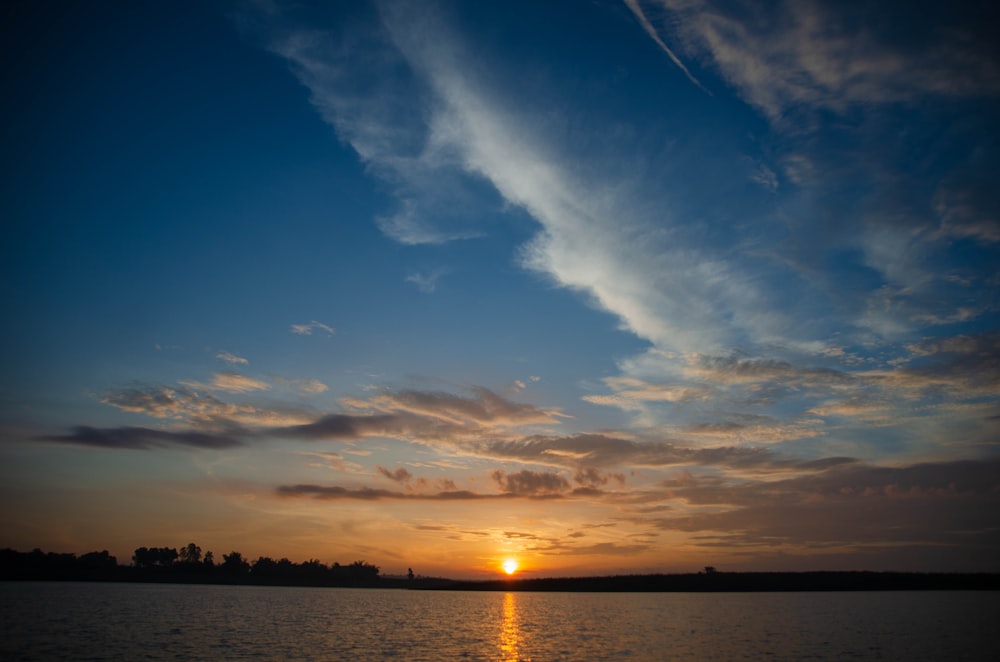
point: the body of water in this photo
(88, 621)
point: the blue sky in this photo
(605, 286)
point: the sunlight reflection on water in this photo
(509, 629)
(81, 621)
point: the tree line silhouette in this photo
(186, 565)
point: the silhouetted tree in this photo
(314, 571)
(234, 564)
(149, 557)
(264, 566)
(358, 573)
(141, 558)
(190, 554)
(409, 574)
(209, 559)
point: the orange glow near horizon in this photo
(509, 566)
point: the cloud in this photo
(763, 175)
(231, 382)
(334, 492)
(788, 55)
(408, 227)
(594, 478)
(968, 212)
(444, 484)
(232, 359)
(933, 504)
(562, 548)
(589, 452)
(738, 307)
(202, 410)
(592, 239)
(520, 384)
(484, 407)
(336, 426)
(693, 302)
(140, 438)
(737, 370)
(162, 348)
(631, 393)
(458, 424)
(308, 329)
(530, 483)
(361, 85)
(636, 7)
(963, 367)
(335, 461)
(399, 475)
(519, 485)
(312, 386)
(426, 282)
(597, 234)
(425, 417)
(304, 385)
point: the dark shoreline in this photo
(733, 582)
(102, 567)
(730, 582)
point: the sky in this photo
(606, 286)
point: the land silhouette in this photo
(185, 566)
(188, 565)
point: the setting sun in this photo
(509, 566)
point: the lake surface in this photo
(85, 621)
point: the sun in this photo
(509, 566)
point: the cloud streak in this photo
(203, 410)
(636, 7)
(232, 359)
(426, 282)
(140, 438)
(231, 382)
(336, 492)
(311, 327)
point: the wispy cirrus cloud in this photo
(311, 327)
(968, 211)
(426, 282)
(231, 382)
(788, 55)
(232, 359)
(813, 68)
(408, 226)
(591, 239)
(636, 7)
(303, 385)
